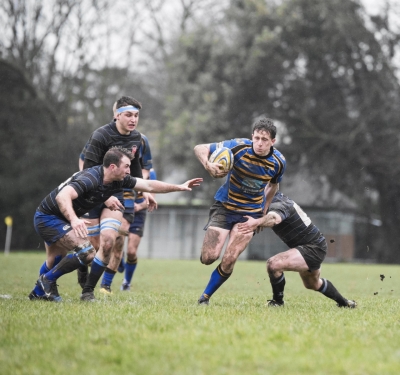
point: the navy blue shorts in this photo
(50, 227)
(137, 227)
(221, 217)
(129, 213)
(95, 213)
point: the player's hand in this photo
(216, 170)
(248, 226)
(140, 206)
(114, 204)
(79, 227)
(191, 183)
(151, 203)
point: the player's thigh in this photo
(290, 260)
(238, 241)
(214, 240)
(70, 241)
(311, 279)
(236, 245)
(110, 222)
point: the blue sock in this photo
(108, 277)
(57, 260)
(218, 277)
(129, 270)
(121, 266)
(44, 269)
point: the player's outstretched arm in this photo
(250, 225)
(155, 186)
(269, 220)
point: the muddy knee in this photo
(272, 265)
(208, 259)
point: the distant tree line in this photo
(324, 70)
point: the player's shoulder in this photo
(235, 143)
(92, 172)
(107, 128)
(280, 200)
(145, 140)
(278, 154)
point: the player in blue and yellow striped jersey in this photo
(248, 190)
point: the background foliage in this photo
(324, 70)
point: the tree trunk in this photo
(389, 191)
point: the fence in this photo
(175, 232)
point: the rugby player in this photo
(248, 190)
(307, 250)
(58, 218)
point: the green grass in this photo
(157, 328)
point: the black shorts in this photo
(129, 217)
(314, 254)
(221, 217)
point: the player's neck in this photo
(120, 129)
(107, 177)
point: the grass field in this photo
(157, 327)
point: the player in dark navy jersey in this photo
(248, 190)
(136, 231)
(131, 214)
(307, 246)
(57, 219)
(121, 132)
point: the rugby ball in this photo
(222, 156)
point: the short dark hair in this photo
(265, 124)
(127, 100)
(114, 156)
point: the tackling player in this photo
(307, 245)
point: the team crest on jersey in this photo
(251, 186)
(65, 227)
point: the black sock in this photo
(68, 264)
(94, 276)
(328, 290)
(83, 268)
(278, 286)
